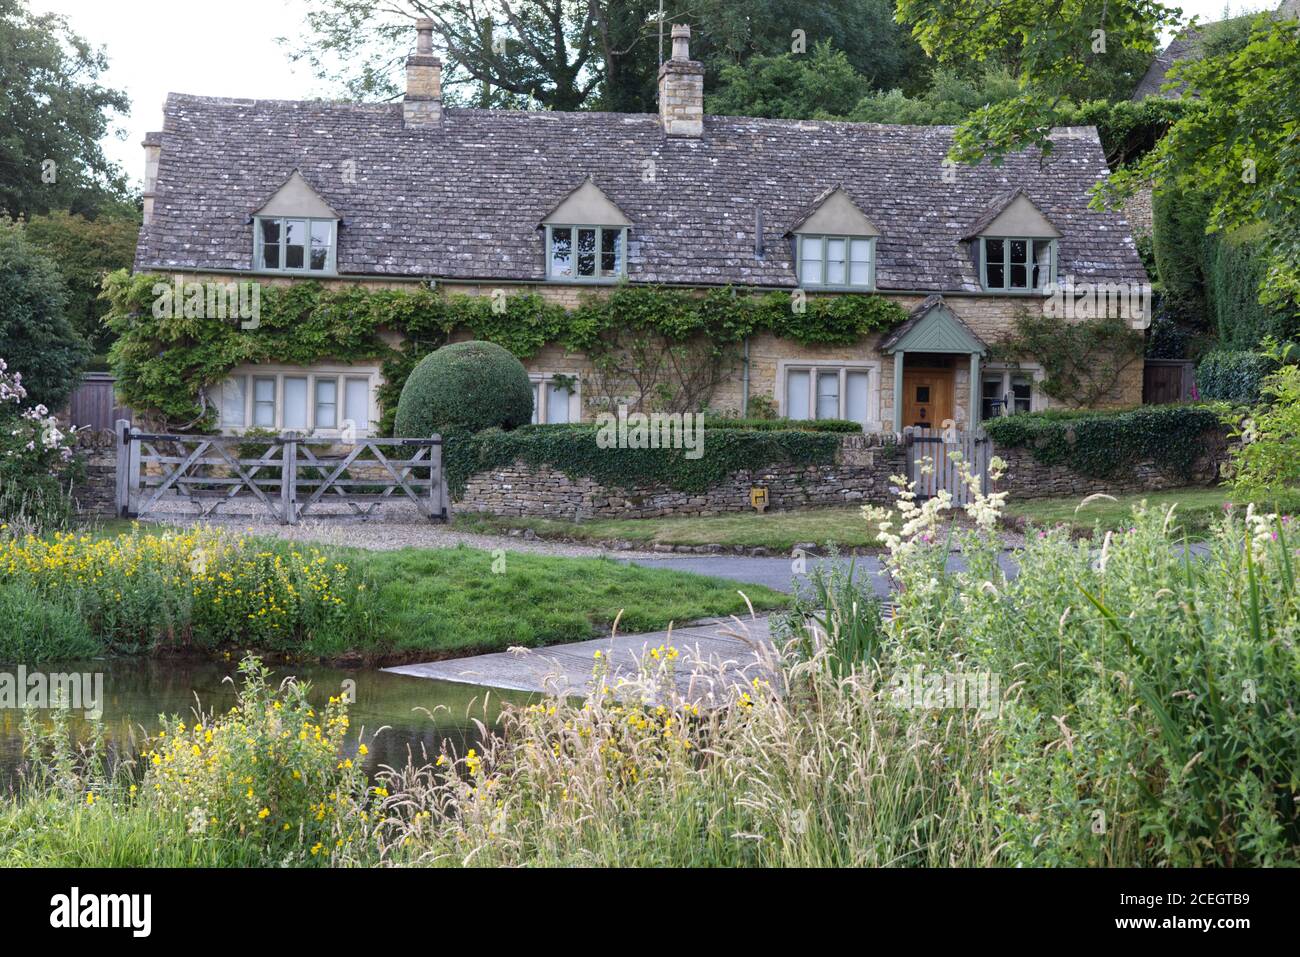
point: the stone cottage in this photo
(474, 201)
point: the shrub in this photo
(1106, 444)
(1235, 377)
(1180, 216)
(573, 449)
(36, 336)
(1268, 458)
(36, 461)
(201, 587)
(1235, 267)
(467, 385)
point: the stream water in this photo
(137, 690)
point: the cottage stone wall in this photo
(860, 474)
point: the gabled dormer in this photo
(586, 237)
(1015, 245)
(835, 244)
(295, 230)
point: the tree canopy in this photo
(52, 116)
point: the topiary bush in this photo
(1233, 376)
(466, 385)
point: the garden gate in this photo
(283, 476)
(930, 461)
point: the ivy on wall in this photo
(1081, 360)
(573, 450)
(1107, 444)
(163, 363)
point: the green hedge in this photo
(1105, 444)
(1233, 376)
(787, 425)
(1235, 266)
(573, 450)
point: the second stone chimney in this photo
(681, 88)
(152, 152)
(422, 105)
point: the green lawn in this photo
(1197, 508)
(450, 601)
(779, 531)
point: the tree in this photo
(85, 251)
(36, 338)
(52, 116)
(819, 84)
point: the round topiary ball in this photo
(472, 385)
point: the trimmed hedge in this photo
(1105, 444)
(1235, 267)
(472, 385)
(787, 425)
(573, 450)
(1235, 377)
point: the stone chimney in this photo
(681, 88)
(422, 105)
(152, 150)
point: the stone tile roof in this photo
(1179, 48)
(462, 201)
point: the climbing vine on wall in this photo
(164, 364)
(1082, 361)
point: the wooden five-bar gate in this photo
(284, 476)
(932, 466)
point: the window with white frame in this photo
(289, 244)
(843, 262)
(555, 400)
(1005, 391)
(586, 253)
(285, 399)
(828, 392)
(1017, 264)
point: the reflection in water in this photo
(136, 691)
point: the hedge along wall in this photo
(561, 472)
(163, 362)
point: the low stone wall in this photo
(1027, 478)
(860, 473)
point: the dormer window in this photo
(1017, 245)
(586, 252)
(1017, 264)
(295, 231)
(287, 244)
(835, 244)
(586, 237)
(838, 262)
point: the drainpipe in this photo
(744, 384)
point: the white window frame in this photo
(541, 399)
(1053, 254)
(599, 276)
(840, 368)
(339, 373)
(823, 239)
(331, 257)
(1007, 371)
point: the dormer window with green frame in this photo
(835, 244)
(1018, 247)
(586, 237)
(1016, 264)
(293, 244)
(586, 253)
(837, 262)
(296, 231)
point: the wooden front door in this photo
(927, 397)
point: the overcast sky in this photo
(228, 48)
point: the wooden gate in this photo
(932, 466)
(285, 476)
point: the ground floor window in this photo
(555, 399)
(290, 399)
(1005, 392)
(828, 391)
